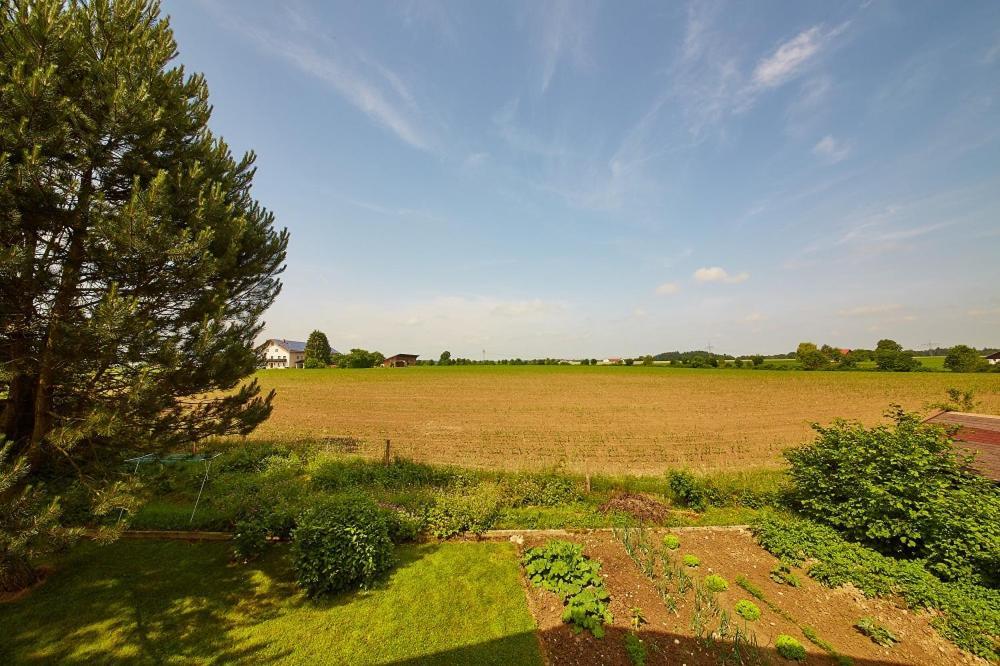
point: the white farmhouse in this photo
(284, 353)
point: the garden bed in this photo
(671, 639)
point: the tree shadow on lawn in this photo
(563, 647)
(141, 601)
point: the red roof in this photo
(977, 433)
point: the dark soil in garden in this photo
(670, 639)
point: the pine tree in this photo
(318, 349)
(134, 262)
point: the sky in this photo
(583, 179)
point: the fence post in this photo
(387, 448)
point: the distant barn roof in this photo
(977, 433)
(994, 355)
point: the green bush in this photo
(970, 613)
(903, 490)
(250, 538)
(403, 527)
(475, 510)
(876, 632)
(748, 610)
(562, 568)
(249, 457)
(274, 494)
(690, 561)
(789, 648)
(716, 583)
(671, 541)
(688, 490)
(340, 544)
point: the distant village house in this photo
(281, 353)
(400, 360)
(993, 358)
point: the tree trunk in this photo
(61, 308)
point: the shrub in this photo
(340, 544)
(672, 541)
(250, 538)
(688, 490)
(748, 610)
(475, 510)
(716, 583)
(249, 457)
(876, 632)
(789, 648)
(635, 649)
(903, 490)
(561, 567)
(403, 527)
(690, 561)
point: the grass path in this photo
(178, 602)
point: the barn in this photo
(993, 358)
(400, 360)
(977, 433)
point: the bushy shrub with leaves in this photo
(562, 568)
(789, 648)
(267, 499)
(970, 613)
(688, 490)
(716, 583)
(904, 490)
(747, 609)
(473, 510)
(340, 544)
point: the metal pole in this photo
(208, 467)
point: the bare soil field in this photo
(669, 636)
(589, 419)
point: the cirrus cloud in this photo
(668, 288)
(719, 274)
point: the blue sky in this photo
(591, 179)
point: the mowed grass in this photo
(609, 420)
(177, 602)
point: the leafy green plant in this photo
(876, 632)
(340, 544)
(716, 583)
(748, 610)
(814, 638)
(250, 537)
(635, 649)
(782, 574)
(752, 589)
(638, 618)
(671, 541)
(904, 490)
(690, 561)
(789, 648)
(562, 568)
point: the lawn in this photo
(177, 602)
(597, 420)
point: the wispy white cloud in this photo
(564, 28)
(368, 85)
(871, 310)
(831, 150)
(668, 288)
(789, 58)
(720, 275)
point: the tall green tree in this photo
(962, 358)
(135, 263)
(810, 356)
(889, 355)
(445, 358)
(318, 348)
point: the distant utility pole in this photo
(710, 347)
(484, 356)
(931, 345)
